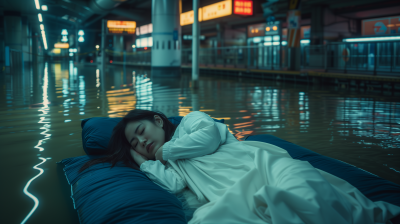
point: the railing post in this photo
(375, 58)
(215, 57)
(391, 55)
(325, 57)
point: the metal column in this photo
(195, 44)
(103, 47)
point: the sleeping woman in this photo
(231, 181)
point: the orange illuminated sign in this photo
(61, 45)
(187, 17)
(116, 26)
(217, 10)
(381, 26)
(242, 7)
(213, 11)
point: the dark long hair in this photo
(118, 149)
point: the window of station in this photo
(169, 45)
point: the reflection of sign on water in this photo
(380, 28)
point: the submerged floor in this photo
(41, 111)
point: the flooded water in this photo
(41, 111)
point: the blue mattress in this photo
(125, 195)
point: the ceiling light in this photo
(97, 46)
(44, 7)
(37, 4)
(44, 39)
(41, 27)
(64, 32)
(81, 33)
(371, 39)
(40, 17)
(305, 41)
(81, 39)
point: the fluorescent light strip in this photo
(41, 27)
(305, 41)
(44, 39)
(365, 39)
(40, 17)
(37, 4)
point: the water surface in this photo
(41, 110)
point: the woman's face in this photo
(145, 137)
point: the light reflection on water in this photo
(36, 201)
(43, 119)
(362, 129)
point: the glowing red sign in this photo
(243, 7)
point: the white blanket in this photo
(255, 182)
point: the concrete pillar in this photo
(317, 25)
(166, 50)
(2, 52)
(35, 52)
(118, 46)
(13, 31)
(195, 44)
(24, 39)
(316, 55)
(12, 38)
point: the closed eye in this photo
(138, 142)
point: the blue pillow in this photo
(119, 195)
(372, 186)
(96, 132)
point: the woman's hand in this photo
(139, 158)
(159, 155)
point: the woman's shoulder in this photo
(197, 114)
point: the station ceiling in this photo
(85, 14)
